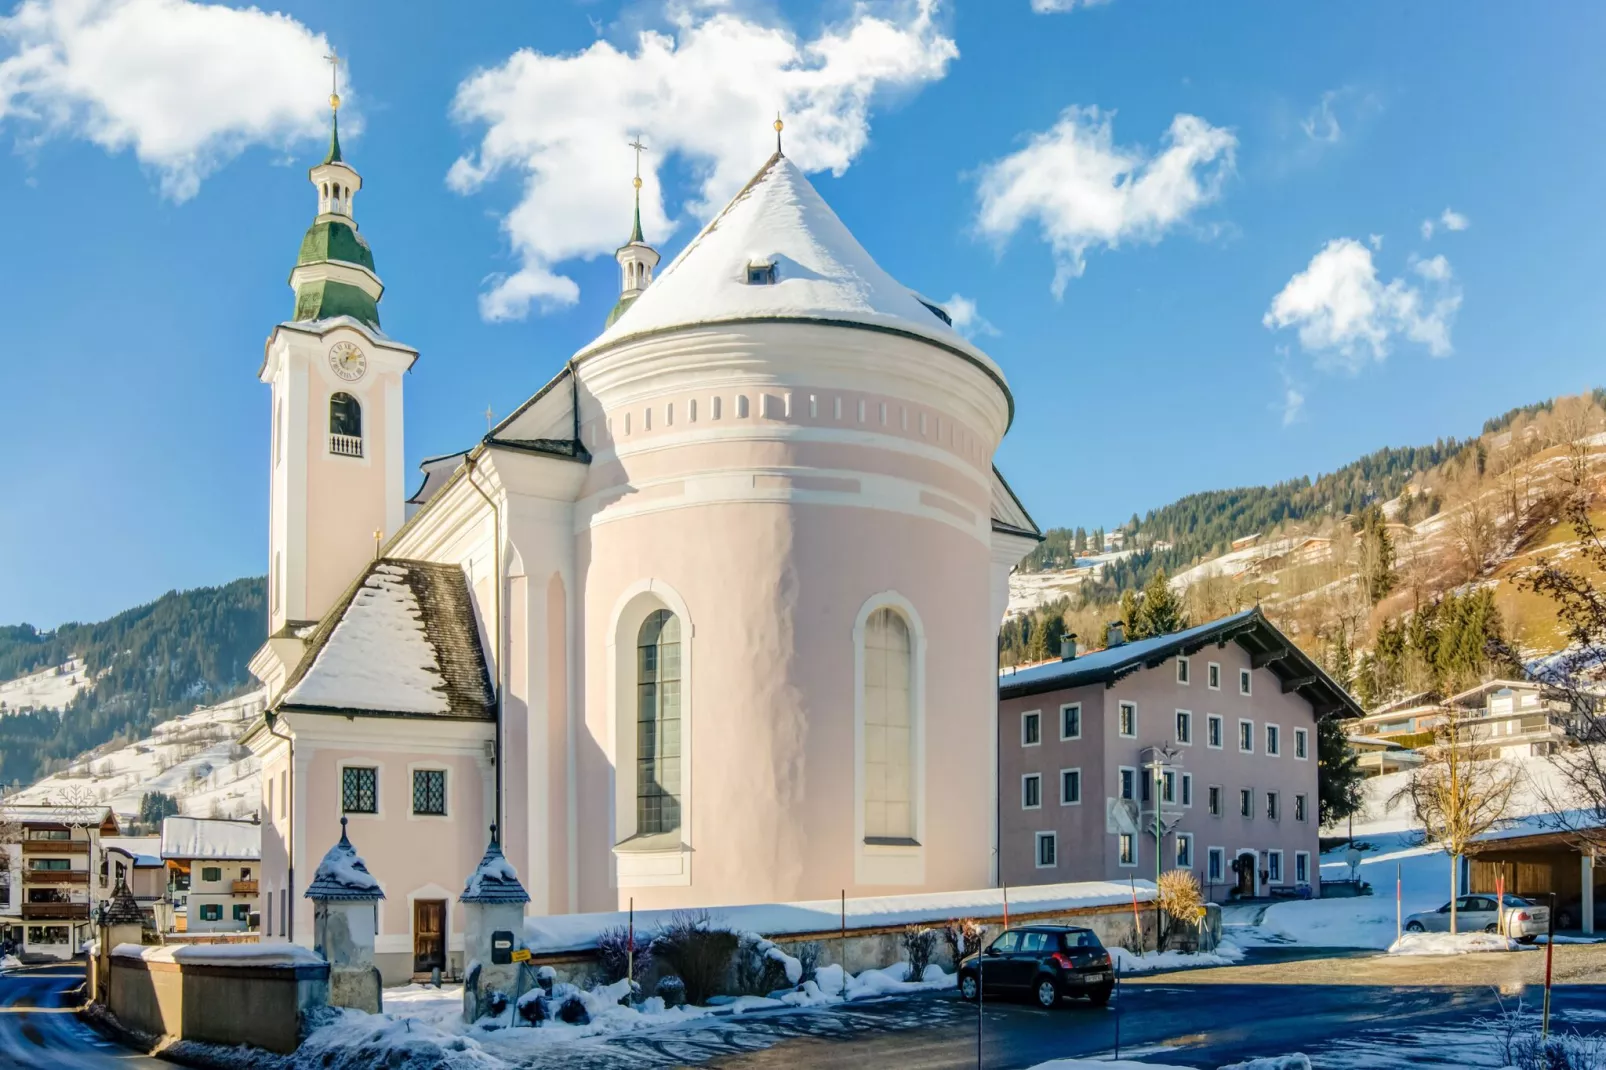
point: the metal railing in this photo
(345, 445)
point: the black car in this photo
(1047, 961)
(1570, 914)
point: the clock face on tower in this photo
(347, 361)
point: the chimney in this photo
(1068, 647)
(1115, 633)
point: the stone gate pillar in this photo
(493, 928)
(345, 916)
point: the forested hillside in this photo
(148, 664)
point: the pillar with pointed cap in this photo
(345, 916)
(636, 258)
(493, 913)
(120, 922)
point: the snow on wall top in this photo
(821, 271)
(378, 657)
(222, 954)
(200, 837)
(578, 932)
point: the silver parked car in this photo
(1475, 913)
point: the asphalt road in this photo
(39, 1029)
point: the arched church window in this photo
(658, 788)
(345, 415)
(888, 728)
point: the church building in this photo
(710, 618)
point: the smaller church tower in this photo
(336, 477)
(636, 258)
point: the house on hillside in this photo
(213, 872)
(1376, 756)
(1516, 718)
(52, 893)
(1194, 750)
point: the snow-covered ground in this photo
(195, 758)
(1452, 944)
(1127, 962)
(49, 689)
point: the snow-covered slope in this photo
(49, 689)
(195, 758)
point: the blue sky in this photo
(1234, 320)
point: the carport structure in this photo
(1538, 863)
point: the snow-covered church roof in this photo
(780, 224)
(342, 874)
(401, 641)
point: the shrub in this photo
(613, 953)
(1181, 900)
(918, 943)
(757, 972)
(671, 989)
(964, 935)
(699, 952)
(808, 956)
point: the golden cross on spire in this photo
(640, 148)
(778, 126)
(333, 59)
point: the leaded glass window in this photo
(888, 728)
(658, 788)
(429, 792)
(359, 790)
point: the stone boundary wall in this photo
(264, 1005)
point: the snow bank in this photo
(578, 932)
(1127, 962)
(1279, 1062)
(222, 954)
(10, 962)
(357, 1041)
(1451, 943)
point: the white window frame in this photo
(1274, 804)
(1221, 796)
(1119, 778)
(1184, 838)
(1187, 790)
(1301, 745)
(1120, 715)
(1066, 708)
(1301, 864)
(1037, 849)
(1213, 671)
(1246, 685)
(1025, 779)
(1078, 800)
(1221, 731)
(1242, 722)
(1301, 806)
(1025, 719)
(1246, 813)
(1215, 865)
(1185, 716)
(1274, 735)
(1184, 670)
(1274, 867)
(1131, 838)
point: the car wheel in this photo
(1414, 927)
(1564, 920)
(1491, 928)
(1100, 996)
(969, 988)
(1047, 991)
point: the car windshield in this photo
(1081, 940)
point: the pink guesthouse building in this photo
(710, 618)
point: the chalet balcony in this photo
(55, 912)
(55, 876)
(245, 887)
(55, 847)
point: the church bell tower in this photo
(335, 450)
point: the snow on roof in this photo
(144, 851)
(494, 880)
(403, 640)
(1093, 666)
(342, 874)
(578, 932)
(201, 837)
(821, 272)
(45, 813)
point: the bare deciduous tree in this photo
(1473, 528)
(10, 833)
(1456, 796)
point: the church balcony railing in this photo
(345, 445)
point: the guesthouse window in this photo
(658, 789)
(211, 873)
(888, 727)
(211, 911)
(359, 789)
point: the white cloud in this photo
(967, 321)
(185, 86)
(1084, 191)
(1346, 315)
(1450, 219)
(1322, 123)
(1054, 7)
(1293, 405)
(707, 91)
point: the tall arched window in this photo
(658, 724)
(345, 415)
(888, 728)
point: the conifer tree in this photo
(1161, 609)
